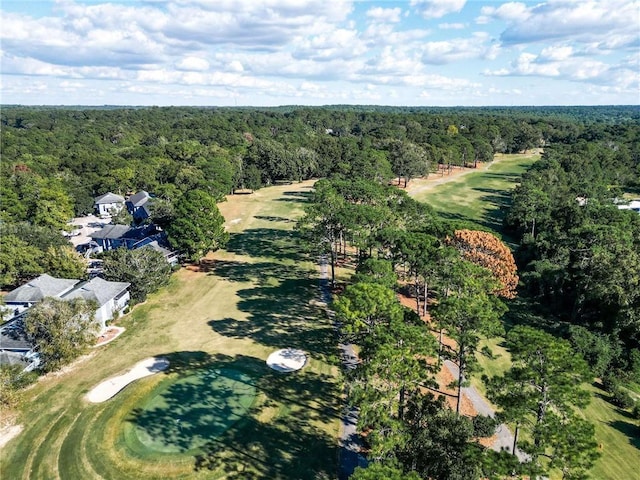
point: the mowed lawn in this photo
(258, 295)
(478, 196)
(481, 197)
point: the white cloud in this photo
(448, 51)
(556, 53)
(561, 64)
(579, 20)
(437, 8)
(337, 43)
(452, 26)
(385, 15)
(192, 64)
(238, 50)
(509, 12)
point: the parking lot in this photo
(86, 226)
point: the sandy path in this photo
(419, 185)
(108, 388)
(8, 433)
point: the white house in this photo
(107, 203)
(112, 297)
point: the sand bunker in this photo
(287, 360)
(144, 368)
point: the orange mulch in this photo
(108, 335)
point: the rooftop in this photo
(139, 199)
(39, 288)
(98, 290)
(112, 231)
(109, 198)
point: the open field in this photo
(474, 196)
(479, 197)
(247, 301)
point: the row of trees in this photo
(459, 276)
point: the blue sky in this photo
(282, 52)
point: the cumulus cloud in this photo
(437, 8)
(192, 64)
(448, 51)
(558, 62)
(379, 14)
(240, 49)
(578, 20)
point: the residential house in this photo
(112, 298)
(19, 300)
(108, 203)
(116, 236)
(138, 206)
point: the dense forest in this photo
(577, 254)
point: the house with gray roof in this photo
(23, 297)
(108, 203)
(112, 298)
(111, 236)
(138, 206)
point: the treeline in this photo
(579, 255)
(55, 161)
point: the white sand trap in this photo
(144, 368)
(287, 360)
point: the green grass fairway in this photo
(257, 296)
(477, 197)
(184, 414)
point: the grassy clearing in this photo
(253, 298)
(478, 197)
(618, 437)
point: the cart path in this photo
(349, 456)
(504, 440)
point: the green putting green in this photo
(186, 413)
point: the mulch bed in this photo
(110, 334)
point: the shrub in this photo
(12, 380)
(636, 411)
(610, 383)
(621, 398)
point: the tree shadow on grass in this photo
(281, 308)
(289, 448)
(272, 218)
(266, 242)
(631, 430)
(274, 436)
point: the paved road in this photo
(504, 439)
(349, 457)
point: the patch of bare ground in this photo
(8, 432)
